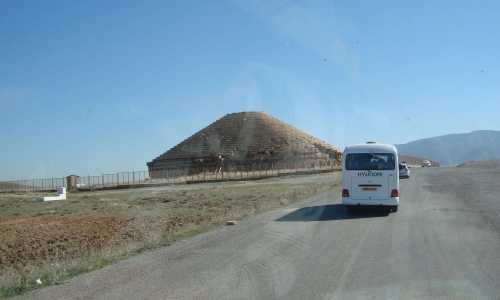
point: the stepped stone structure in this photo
(248, 140)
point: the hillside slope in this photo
(456, 148)
(483, 164)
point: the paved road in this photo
(443, 243)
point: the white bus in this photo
(370, 175)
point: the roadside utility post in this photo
(71, 182)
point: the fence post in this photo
(133, 177)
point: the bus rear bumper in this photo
(383, 202)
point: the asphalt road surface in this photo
(444, 242)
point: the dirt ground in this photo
(35, 234)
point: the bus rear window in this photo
(370, 161)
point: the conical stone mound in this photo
(246, 138)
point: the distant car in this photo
(426, 163)
(404, 171)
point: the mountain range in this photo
(453, 149)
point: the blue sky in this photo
(88, 87)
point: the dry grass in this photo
(57, 240)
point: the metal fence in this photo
(113, 180)
(167, 176)
(33, 185)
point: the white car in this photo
(426, 163)
(404, 171)
(370, 176)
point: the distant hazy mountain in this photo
(454, 149)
